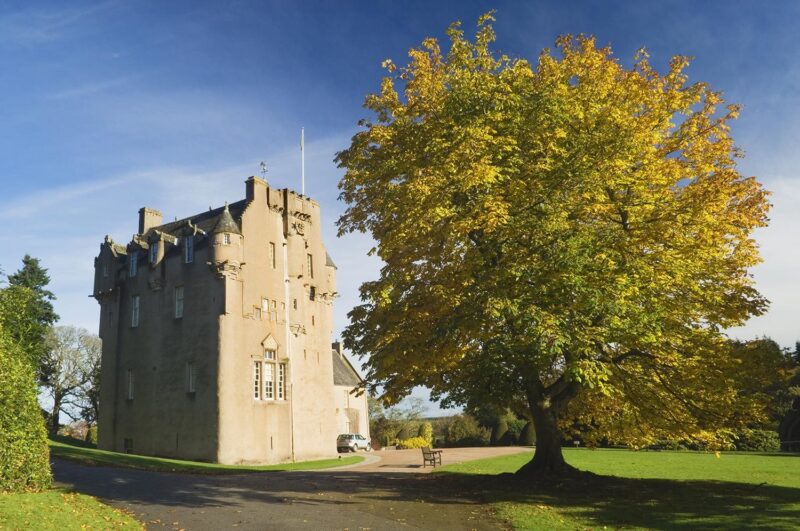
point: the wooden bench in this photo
(434, 457)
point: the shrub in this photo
(499, 433)
(515, 427)
(24, 455)
(413, 442)
(464, 430)
(528, 435)
(426, 432)
(748, 440)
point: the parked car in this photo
(351, 442)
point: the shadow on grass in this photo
(446, 500)
(595, 501)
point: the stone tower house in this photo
(216, 334)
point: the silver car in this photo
(351, 442)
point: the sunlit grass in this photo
(674, 490)
(92, 456)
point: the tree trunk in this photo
(52, 422)
(547, 458)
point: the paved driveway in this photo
(379, 494)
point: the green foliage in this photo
(24, 459)
(748, 440)
(426, 432)
(515, 427)
(34, 312)
(463, 430)
(413, 442)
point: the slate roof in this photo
(207, 221)
(343, 371)
(225, 223)
(329, 261)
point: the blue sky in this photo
(106, 107)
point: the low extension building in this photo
(216, 334)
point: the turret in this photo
(226, 241)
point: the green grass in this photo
(65, 449)
(639, 490)
(60, 510)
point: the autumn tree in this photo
(571, 234)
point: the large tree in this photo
(72, 361)
(571, 235)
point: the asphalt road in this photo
(344, 499)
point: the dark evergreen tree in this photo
(31, 325)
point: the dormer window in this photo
(226, 239)
(153, 252)
(188, 249)
(133, 264)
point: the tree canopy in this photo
(570, 236)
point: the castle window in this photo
(179, 302)
(269, 383)
(188, 249)
(310, 265)
(272, 254)
(190, 378)
(105, 270)
(257, 313)
(312, 293)
(133, 260)
(257, 380)
(135, 311)
(154, 252)
(129, 384)
(226, 239)
(281, 387)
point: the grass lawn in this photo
(673, 490)
(57, 509)
(64, 448)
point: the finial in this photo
(226, 207)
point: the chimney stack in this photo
(148, 218)
(255, 187)
(337, 347)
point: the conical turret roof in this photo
(226, 223)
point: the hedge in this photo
(24, 455)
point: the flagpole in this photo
(302, 162)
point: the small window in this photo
(312, 293)
(257, 380)
(310, 265)
(135, 311)
(281, 381)
(313, 321)
(105, 270)
(190, 378)
(270, 354)
(188, 249)
(257, 313)
(179, 302)
(154, 252)
(272, 254)
(129, 384)
(133, 262)
(226, 239)
(294, 303)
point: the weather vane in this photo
(263, 166)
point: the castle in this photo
(216, 336)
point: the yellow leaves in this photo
(388, 65)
